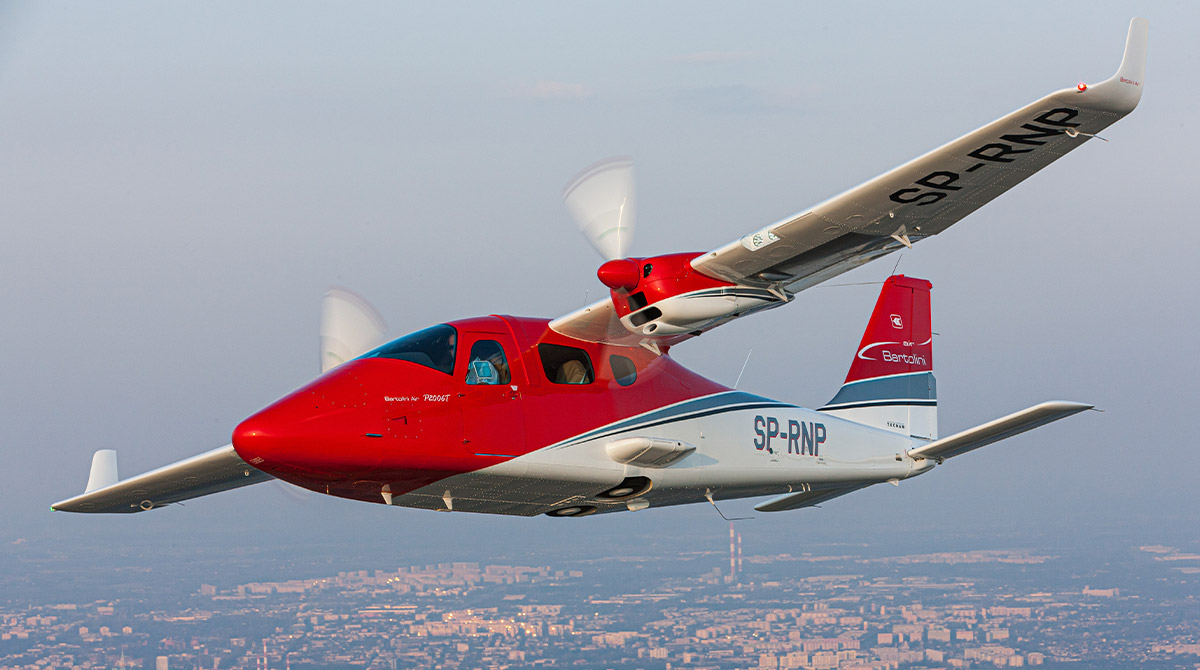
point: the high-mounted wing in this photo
(663, 300)
(211, 472)
(927, 195)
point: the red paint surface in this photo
(669, 275)
(623, 274)
(431, 425)
(899, 335)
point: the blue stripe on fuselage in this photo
(718, 402)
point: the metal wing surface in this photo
(211, 472)
(1000, 429)
(929, 194)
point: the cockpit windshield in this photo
(433, 347)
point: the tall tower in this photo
(739, 553)
(732, 554)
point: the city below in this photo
(850, 609)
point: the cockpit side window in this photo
(433, 347)
(566, 365)
(487, 364)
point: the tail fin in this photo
(890, 384)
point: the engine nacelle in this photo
(665, 296)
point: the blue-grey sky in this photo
(181, 182)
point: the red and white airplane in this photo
(588, 413)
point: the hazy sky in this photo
(182, 181)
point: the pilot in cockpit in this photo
(487, 364)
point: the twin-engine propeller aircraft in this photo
(588, 413)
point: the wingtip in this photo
(1122, 92)
(1068, 405)
(1133, 63)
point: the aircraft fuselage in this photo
(428, 424)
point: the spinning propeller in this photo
(601, 200)
(655, 301)
(350, 327)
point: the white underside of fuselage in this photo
(745, 446)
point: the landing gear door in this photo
(490, 388)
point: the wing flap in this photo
(929, 194)
(211, 472)
(809, 498)
(1002, 428)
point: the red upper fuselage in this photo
(424, 407)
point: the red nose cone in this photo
(623, 273)
(315, 425)
(257, 440)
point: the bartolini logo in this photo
(890, 357)
(897, 322)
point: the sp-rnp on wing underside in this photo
(662, 300)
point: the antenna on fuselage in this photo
(739, 377)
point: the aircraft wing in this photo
(211, 472)
(597, 322)
(929, 194)
(916, 200)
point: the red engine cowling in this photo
(663, 296)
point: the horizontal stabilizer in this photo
(217, 470)
(808, 498)
(994, 431)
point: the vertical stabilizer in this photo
(890, 384)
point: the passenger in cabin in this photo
(572, 372)
(565, 365)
